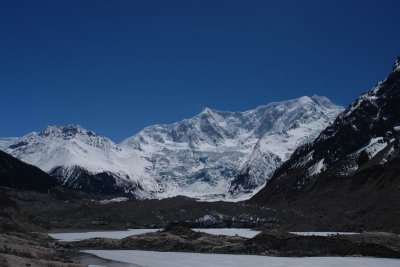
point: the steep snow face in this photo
(198, 157)
(201, 156)
(302, 122)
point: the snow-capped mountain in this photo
(306, 119)
(202, 155)
(198, 157)
(364, 137)
(81, 159)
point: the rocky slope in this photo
(352, 166)
(215, 154)
(33, 249)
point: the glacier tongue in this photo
(213, 155)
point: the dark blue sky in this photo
(117, 66)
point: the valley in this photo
(60, 211)
(267, 185)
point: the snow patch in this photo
(113, 200)
(374, 146)
(316, 168)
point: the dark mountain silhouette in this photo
(19, 175)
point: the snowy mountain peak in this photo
(207, 110)
(304, 101)
(323, 101)
(289, 124)
(396, 65)
(66, 131)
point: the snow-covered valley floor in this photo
(178, 259)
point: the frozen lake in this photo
(248, 233)
(228, 231)
(177, 259)
(323, 233)
(68, 237)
